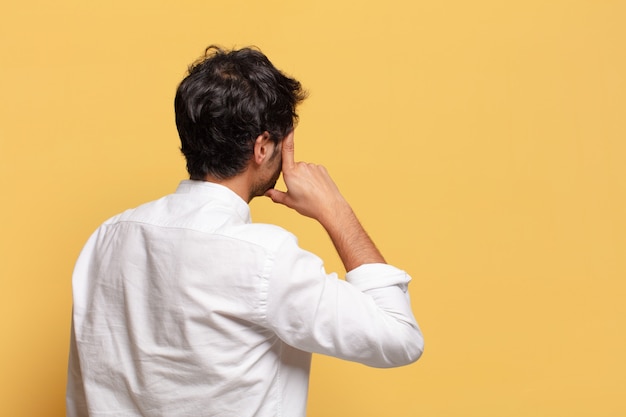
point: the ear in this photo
(263, 148)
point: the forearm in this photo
(351, 241)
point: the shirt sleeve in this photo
(367, 318)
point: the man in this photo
(183, 307)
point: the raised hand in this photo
(310, 189)
(313, 193)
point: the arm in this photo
(312, 193)
(368, 317)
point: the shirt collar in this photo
(214, 191)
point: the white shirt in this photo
(183, 307)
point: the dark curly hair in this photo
(226, 101)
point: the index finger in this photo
(288, 152)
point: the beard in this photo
(267, 182)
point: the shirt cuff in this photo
(372, 276)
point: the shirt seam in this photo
(214, 233)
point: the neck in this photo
(238, 184)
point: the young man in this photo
(183, 307)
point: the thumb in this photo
(276, 196)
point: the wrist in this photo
(337, 215)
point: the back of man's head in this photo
(226, 101)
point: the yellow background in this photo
(482, 143)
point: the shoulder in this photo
(142, 213)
